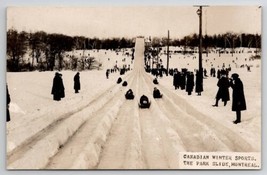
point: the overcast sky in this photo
(132, 21)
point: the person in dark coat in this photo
(58, 87)
(176, 79)
(156, 93)
(7, 105)
(107, 73)
(190, 83)
(239, 102)
(182, 80)
(144, 102)
(218, 73)
(129, 94)
(223, 91)
(62, 88)
(77, 85)
(199, 83)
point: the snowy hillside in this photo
(99, 129)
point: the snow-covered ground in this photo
(99, 129)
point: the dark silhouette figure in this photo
(7, 105)
(124, 83)
(58, 89)
(119, 80)
(144, 102)
(107, 73)
(77, 85)
(199, 83)
(239, 102)
(218, 73)
(156, 93)
(223, 91)
(155, 81)
(182, 80)
(176, 79)
(190, 83)
(129, 95)
(122, 71)
(62, 86)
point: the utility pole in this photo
(168, 53)
(200, 68)
(199, 12)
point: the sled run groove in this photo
(161, 144)
(50, 138)
(123, 147)
(199, 133)
(84, 149)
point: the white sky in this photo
(129, 21)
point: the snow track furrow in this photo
(164, 137)
(212, 135)
(122, 145)
(49, 123)
(91, 138)
(50, 140)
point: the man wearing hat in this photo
(239, 102)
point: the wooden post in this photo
(168, 53)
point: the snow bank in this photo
(89, 156)
(55, 136)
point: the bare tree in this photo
(16, 48)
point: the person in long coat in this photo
(58, 89)
(182, 80)
(223, 91)
(176, 79)
(239, 102)
(77, 84)
(7, 106)
(190, 83)
(62, 88)
(107, 73)
(199, 83)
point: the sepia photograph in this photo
(133, 87)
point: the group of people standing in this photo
(184, 80)
(239, 102)
(58, 89)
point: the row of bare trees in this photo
(226, 40)
(45, 50)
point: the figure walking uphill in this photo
(7, 105)
(58, 89)
(77, 85)
(223, 91)
(239, 102)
